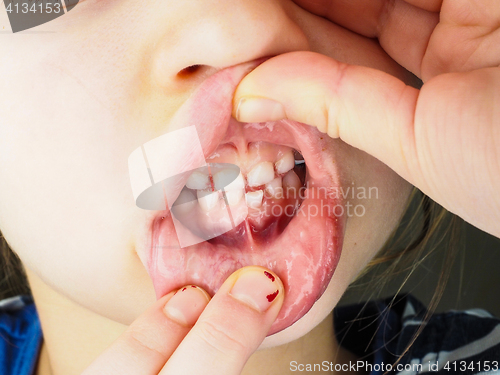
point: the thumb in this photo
(442, 139)
(317, 90)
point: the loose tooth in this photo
(234, 196)
(286, 163)
(291, 184)
(198, 181)
(275, 188)
(207, 199)
(221, 178)
(254, 198)
(261, 174)
(184, 203)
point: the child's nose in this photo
(211, 35)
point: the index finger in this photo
(152, 338)
(232, 326)
(403, 28)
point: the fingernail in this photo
(186, 305)
(259, 110)
(257, 288)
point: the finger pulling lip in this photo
(304, 255)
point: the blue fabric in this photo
(20, 336)
(454, 342)
(377, 331)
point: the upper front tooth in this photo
(184, 203)
(261, 174)
(207, 200)
(221, 178)
(198, 181)
(286, 163)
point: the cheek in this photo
(65, 202)
(377, 198)
(66, 206)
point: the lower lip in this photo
(305, 256)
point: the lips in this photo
(303, 252)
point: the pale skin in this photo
(79, 328)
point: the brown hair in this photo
(428, 227)
(13, 279)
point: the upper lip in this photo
(209, 108)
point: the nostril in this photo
(189, 71)
(195, 74)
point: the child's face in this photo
(79, 96)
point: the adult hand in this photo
(443, 138)
(187, 333)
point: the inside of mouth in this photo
(256, 206)
(272, 212)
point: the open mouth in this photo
(283, 204)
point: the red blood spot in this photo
(269, 275)
(271, 297)
(212, 185)
(192, 286)
(183, 289)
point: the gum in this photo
(247, 155)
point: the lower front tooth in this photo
(275, 188)
(207, 199)
(254, 198)
(291, 184)
(234, 197)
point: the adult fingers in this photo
(427, 37)
(365, 107)
(403, 28)
(232, 326)
(443, 139)
(150, 340)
